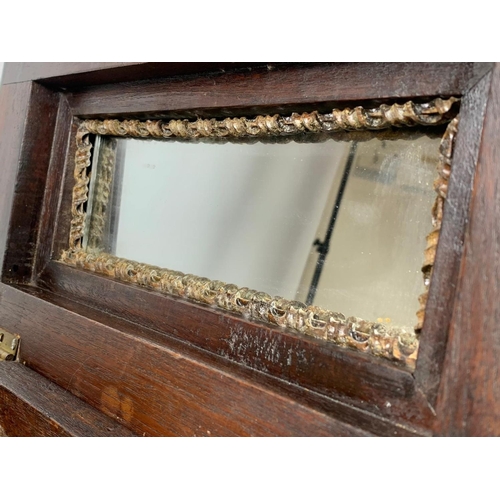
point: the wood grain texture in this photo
(439, 306)
(30, 164)
(349, 376)
(52, 212)
(162, 386)
(31, 405)
(14, 104)
(469, 396)
(275, 90)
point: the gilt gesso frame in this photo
(395, 344)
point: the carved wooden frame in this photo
(395, 344)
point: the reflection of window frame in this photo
(118, 347)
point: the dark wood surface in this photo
(32, 163)
(469, 396)
(14, 105)
(279, 89)
(68, 75)
(50, 210)
(449, 253)
(156, 387)
(30, 405)
(346, 375)
(162, 366)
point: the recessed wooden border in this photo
(395, 343)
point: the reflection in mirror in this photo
(341, 225)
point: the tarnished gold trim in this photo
(310, 320)
(81, 188)
(441, 188)
(374, 338)
(385, 116)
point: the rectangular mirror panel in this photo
(338, 224)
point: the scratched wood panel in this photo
(174, 389)
(355, 378)
(172, 386)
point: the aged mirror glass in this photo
(257, 214)
(317, 223)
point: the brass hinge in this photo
(9, 345)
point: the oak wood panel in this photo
(279, 89)
(14, 104)
(355, 378)
(32, 164)
(469, 397)
(456, 213)
(31, 405)
(161, 386)
(68, 75)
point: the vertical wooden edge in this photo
(29, 186)
(468, 401)
(14, 104)
(51, 212)
(442, 293)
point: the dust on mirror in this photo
(339, 224)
